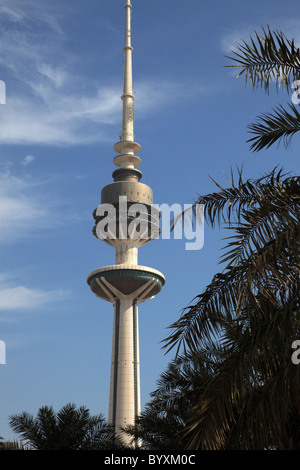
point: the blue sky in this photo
(62, 63)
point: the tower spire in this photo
(127, 97)
(127, 147)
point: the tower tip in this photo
(127, 147)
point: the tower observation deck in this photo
(126, 220)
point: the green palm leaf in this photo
(251, 309)
(270, 57)
(274, 127)
(266, 58)
(262, 255)
(253, 395)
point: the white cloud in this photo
(15, 296)
(24, 298)
(28, 159)
(49, 99)
(25, 207)
(56, 75)
(46, 101)
(152, 94)
(29, 11)
(15, 14)
(58, 118)
(232, 37)
(17, 207)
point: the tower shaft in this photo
(124, 396)
(124, 399)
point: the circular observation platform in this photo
(126, 278)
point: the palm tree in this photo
(68, 429)
(266, 58)
(9, 445)
(252, 309)
(162, 424)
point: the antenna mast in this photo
(127, 97)
(127, 147)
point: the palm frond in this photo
(263, 256)
(266, 58)
(252, 385)
(274, 127)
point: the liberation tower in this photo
(126, 220)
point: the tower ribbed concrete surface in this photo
(126, 220)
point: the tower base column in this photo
(124, 402)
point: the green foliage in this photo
(250, 314)
(261, 258)
(274, 127)
(270, 57)
(9, 445)
(266, 58)
(162, 425)
(68, 429)
(248, 317)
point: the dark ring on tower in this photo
(122, 174)
(125, 279)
